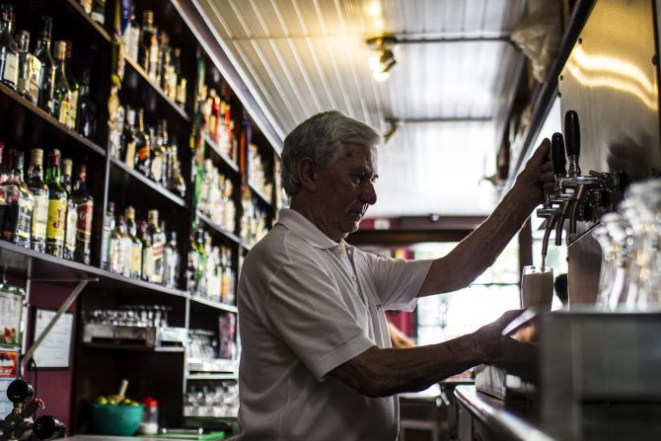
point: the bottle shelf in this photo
(153, 186)
(25, 262)
(245, 246)
(73, 4)
(216, 228)
(125, 347)
(260, 195)
(213, 304)
(213, 147)
(29, 120)
(144, 77)
(216, 377)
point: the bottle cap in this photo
(67, 166)
(111, 207)
(60, 50)
(148, 18)
(37, 156)
(130, 213)
(54, 157)
(152, 214)
(82, 171)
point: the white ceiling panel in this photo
(306, 56)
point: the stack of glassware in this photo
(630, 239)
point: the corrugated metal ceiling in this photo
(307, 56)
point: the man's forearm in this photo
(383, 372)
(479, 250)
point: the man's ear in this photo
(306, 170)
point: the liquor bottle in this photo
(191, 263)
(177, 183)
(17, 216)
(86, 113)
(108, 227)
(116, 121)
(74, 86)
(200, 283)
(85, 205)
(132, 36)
(164, 59)
(57, 206)
(126, 244)
(181, 92)
(129, 139)
(148, 53)
(47, 73)
(135, 252)
(158, 245)
(86, 5)
(99, 11)
(28, 70)
(8, 48)
(171, 272)
(62, 95)
(158, 156)
(142, 146)
(115, 256)
(72, 211)
(39, 191)
(147, 253)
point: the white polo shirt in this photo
(307, 305)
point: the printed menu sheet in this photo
(55, 350)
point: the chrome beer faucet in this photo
(552, 209)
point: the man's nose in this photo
(368, 195)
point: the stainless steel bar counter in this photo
(485, 418)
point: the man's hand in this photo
(489, 337)
(536, 178)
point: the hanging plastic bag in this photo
(539, 35)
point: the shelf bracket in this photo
(82, 283)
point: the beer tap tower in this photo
(576, 197)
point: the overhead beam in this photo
(436, 120)
(400, 38)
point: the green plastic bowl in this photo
(110, 419)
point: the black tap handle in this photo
(47, 427)
(558, 158)
(572, 133)
(20, 391)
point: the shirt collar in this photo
(306, 230)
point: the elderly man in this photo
(317, 363)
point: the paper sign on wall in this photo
(55, 350)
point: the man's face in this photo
(347, 189)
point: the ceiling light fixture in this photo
(382, 59)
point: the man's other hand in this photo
(489, 337)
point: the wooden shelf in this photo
(213, 147)
(221, 231)
(25, 262)
(157, 188)
(144, 77)
(94, 25)
(126, 347)
(213, 304)
(218, 377)
(21, 109)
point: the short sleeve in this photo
(306, 309)
(397, 281)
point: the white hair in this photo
(321, 138)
